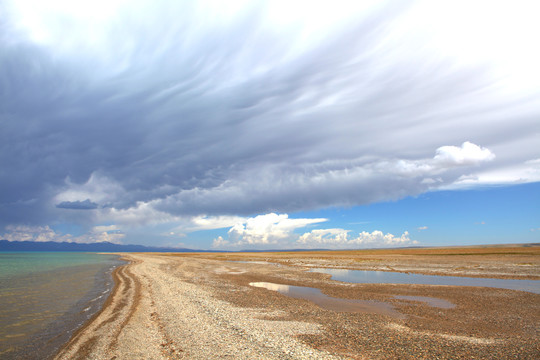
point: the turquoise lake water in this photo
(45, 296)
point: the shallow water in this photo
(44, 297)
(431, 301)
(252, 262)
(330, 303)
(386, 277)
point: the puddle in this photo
(386, 277)
(431, 301)
(330, 303)
(228, 270)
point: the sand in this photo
(201, 306)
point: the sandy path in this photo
(155, 314)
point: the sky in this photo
(270, 124)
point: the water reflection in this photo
(330, 303)
(431, 301)
(386, 277)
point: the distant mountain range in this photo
(6, 245)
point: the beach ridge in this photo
(155, 315)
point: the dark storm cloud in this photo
(78, 205)
(192, 113)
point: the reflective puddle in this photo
(386, 277)
(431, 301)
(330, 303)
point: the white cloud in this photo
(205, 222)
(377, 237)
(104, 228)
(143, 213)
(265, 229)
(100, 236)
(278, 230)
(324, 236)
(467, 154)
(219, 242)
(526, 172)
(109, 233)
(339, 238)
(102, 233)
(33, 233)
(97, 189)
(422, 228)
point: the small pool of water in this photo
(330, 303)
(251, 262)
(386, 277)
(431, 301)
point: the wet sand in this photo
(195, 306)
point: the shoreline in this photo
(125, 293)
(186, 306)
(106, 290)
(105, 304)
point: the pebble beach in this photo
(202, 306)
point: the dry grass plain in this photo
(503, 261)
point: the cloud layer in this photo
(278, 186)
(339, 238)
(269, 229)
(78, 205)
(278, 231)
(45, 233)
(140, 113)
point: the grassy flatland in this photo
(518, 261)
(508, 249)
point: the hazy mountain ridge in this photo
(6, 245)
